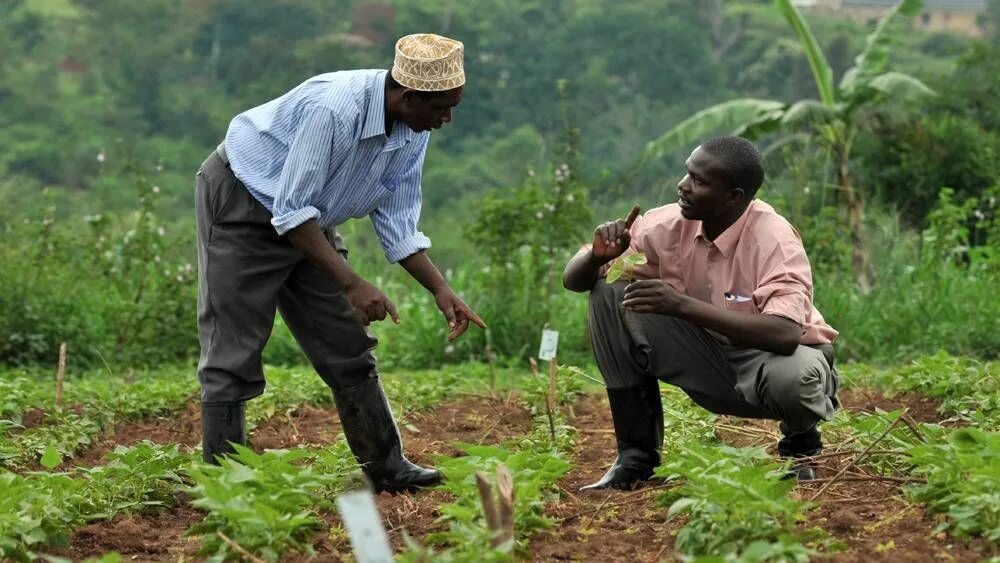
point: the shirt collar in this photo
(375, 113)
(726, 241)
(375, 118)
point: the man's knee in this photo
(793, 382)
(222, 387)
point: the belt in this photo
(221, 151)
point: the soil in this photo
(872, 519)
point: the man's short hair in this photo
(744, 165)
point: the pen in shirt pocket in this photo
(737, 298)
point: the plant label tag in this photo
(364, 526)
(550, 343)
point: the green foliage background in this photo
(108, 107)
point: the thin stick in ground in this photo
(860, 456)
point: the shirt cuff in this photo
(792, 306)
(292, 219)
(407, 247)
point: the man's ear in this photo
(408, 95)
(737, 196)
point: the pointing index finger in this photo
(631, 216)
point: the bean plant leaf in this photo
(50, 458)
(624, 267)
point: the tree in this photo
(834, 119)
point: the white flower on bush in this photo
(569, 198)
(156, 258)
(161, 231)
(100, 156)
(449, 349)
(156, 189)
(539, 215)
(562, 173)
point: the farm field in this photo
(909, 472)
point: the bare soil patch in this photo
(151, 536)
(602, 525)
(182, 427)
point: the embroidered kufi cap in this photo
(428, 62)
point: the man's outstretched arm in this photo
(455, 311)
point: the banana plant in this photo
(832, 118)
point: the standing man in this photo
(340, 145)
(722, 309)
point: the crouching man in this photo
(722, 309)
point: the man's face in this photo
(703, 192)
(423, 112)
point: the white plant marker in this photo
(364, 526)
(550, 344)
(547, 351)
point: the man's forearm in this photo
(764, 332)
(420, 267)
(310, 240)
(582, 271)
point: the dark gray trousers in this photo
(245, 273)
(629, 347)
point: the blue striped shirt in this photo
(321, 152)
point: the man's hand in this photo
(457, 313)
(611, 239)
(369, 302)
(652, 296)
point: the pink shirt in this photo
(758, 265)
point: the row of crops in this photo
(729, 501)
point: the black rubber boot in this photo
(801, 445)
(373, 437)
(637, 413)
(221, 423)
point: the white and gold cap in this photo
(428, 62)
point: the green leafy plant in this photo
(736, 503)
(963, 481)
(42, 509)
(267, 503)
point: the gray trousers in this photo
(245, 273)
(630, 347)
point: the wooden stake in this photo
(60, 375)
(499, 508)
(550, 398)
(505, 496)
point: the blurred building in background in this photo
(954, 16)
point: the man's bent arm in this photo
(582, 271)
(764, 332)
(310, 240)
(420, 267)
